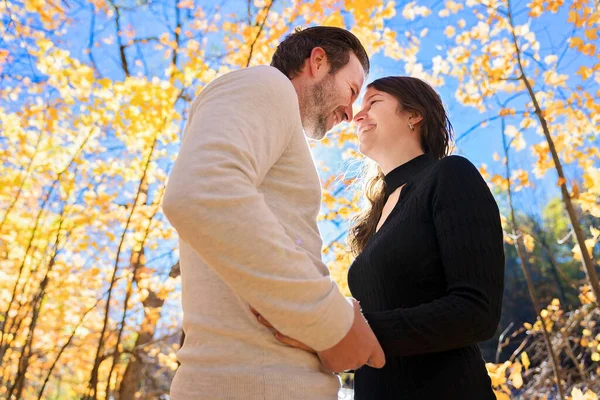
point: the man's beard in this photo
(318, 106)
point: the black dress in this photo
(430, 284)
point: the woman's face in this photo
(380, 125)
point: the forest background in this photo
(93, 98)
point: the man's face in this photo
(329, 101)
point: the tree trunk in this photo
(522, 254)
(134, 373)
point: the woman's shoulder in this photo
(455, 163)
(457, 172)
(452, 179)
(449, 173)
(448, 168)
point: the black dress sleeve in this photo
(469, 233)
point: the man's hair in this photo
(337, 43)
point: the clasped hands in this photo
(359, 347)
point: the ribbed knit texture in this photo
(430, 284)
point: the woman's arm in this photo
(469, 232)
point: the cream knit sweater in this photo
(243, 196)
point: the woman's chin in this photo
(364, 149)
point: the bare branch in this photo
(262, 25)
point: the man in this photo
(244, 195)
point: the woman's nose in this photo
(359, 116)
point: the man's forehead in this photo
(355, 72)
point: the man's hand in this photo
(357, 348)
(280, 336)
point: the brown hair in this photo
(413, 95)
(293, 51)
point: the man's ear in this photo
(317, 63)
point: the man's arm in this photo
(237, 129)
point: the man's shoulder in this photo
(251, 86)
(263, 73)
(259, 80)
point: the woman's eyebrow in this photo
(372, 95)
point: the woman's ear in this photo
(415, 118)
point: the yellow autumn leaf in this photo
(585, 72)
(453, 6)
(344, 212)
(515, 375)
(328, 199)
(525, 360)
(529, 242)
(576, 42)
(186, 4)
(520, 178)
(553, 78)
(411, 11)
(591, 34)
(577, 394)
(484, 172)
(501, 395)
(518, 142)
(536, 7)
(497, 373)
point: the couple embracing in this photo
(262, 317)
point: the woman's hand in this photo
(280, 337)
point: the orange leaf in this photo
(561, 181)
(591, 34)
(585, 72)
(576, 42)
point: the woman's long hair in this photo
(413, 95)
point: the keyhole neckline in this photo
(401, 174)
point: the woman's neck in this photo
(392, 160)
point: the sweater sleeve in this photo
(469, 234)
(238, 128)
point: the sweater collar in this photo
(401, 174)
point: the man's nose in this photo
(348, 113)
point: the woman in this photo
(429, 267)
